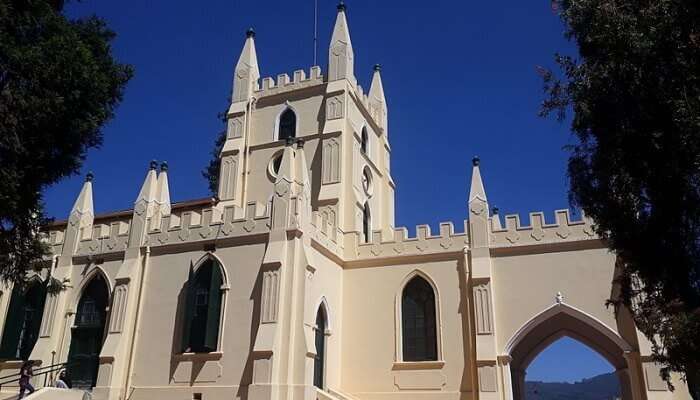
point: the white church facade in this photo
(293, 283)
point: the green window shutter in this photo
(189, 311)
(13, 325)
(214, 308)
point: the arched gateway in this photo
(555, 322)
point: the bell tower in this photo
(343, 127)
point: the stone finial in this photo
(377, 67)
(495, 210)
(476, 191)
(89, 176)
(247, 72)
(289, 141)
(341, 6)
(340, 53)
(148, 189)
(559, 298)
(162, 192)
(377, 100)
(300, 143)
(83, 204)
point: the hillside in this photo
(601, 387)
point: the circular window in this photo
(367, 181)
(275, 163)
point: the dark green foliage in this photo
(635, 168)
(59, 85)
(601, 387)
(211, 172)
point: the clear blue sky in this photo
(460, 79)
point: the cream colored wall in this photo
(327, 286)
(307, 104)
(526, 285)
(370, 333)
(160, 335)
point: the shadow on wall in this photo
(247, 376)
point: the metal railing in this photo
(36, 372)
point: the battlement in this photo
(209, 223)
(269, 86)
(538, 231)
(184, 225)
(401, 244)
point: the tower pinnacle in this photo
(340, 54)
(247, 73)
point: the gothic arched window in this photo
(419, 328)
(366, 223)
(364, 141)
(288, 125)
(203, 309)
(320, 339)
(23, 321)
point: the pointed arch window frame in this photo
(365, 145)
(366, 222)
(33, 282)
(287, 107)
(224, 289)
(87, 280)
(399, 362)
(322, 304)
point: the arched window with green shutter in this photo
(23, 321)
(203, 308)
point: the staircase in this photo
(50, 393)
(330, 394)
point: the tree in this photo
(59, 85)
(634, 94)
(213, 169)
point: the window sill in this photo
(213, 356)
(417, 365)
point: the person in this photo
(61, 381)
(25, 374)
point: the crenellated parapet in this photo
(200, 225)
(565, 229)
(283, 84)
(447, 240)
(105, 238)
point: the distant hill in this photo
(601, 387)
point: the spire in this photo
(247, 73)
(83, 206)
(477, 188)
(340, 54)
(163, 190)
(377, 101)
(148, 190)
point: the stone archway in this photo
(562, 320)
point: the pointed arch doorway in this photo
(88, 333)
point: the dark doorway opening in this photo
(88, 334)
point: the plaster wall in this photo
(371, 369)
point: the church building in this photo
(294, 283)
